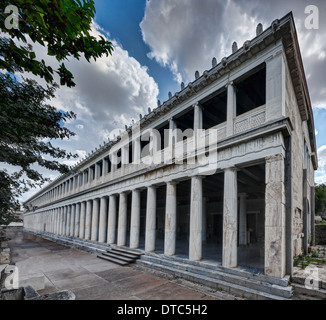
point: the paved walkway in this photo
(89, 277)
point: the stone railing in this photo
(183, 149)
(250, 119)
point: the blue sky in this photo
(121, 18)
(160, 43)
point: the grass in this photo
(316, 257)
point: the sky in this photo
(160, 43)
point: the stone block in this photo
(318, 219)
(34, 280)
(12, 294)
(5, 256)
(30, 293)
(60, 295)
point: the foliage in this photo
(63, 26)
(315, 258)
(320, 198)
(28, 122)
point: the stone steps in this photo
(113, 259)
(121, 256)
(304, 289)
(232, 281)
(118, 255)
(303, 293)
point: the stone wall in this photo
(320, 231)
(4, 249)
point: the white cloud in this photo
(321, 152)
(184, 35)
(109, 93)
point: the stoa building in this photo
(221, 172)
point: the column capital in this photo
(173, 182)
(234, 169)
(196, 104)
(198, 176)
(229, 83)
(275, 157)
(152, 186)
(243, 194)
(124, 192)
(113, 195)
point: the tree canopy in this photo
(28, 122)
(320, 198)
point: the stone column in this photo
(95, 219)
(64, 220)
(124, 156)
(114, 161)
(305, 213)
(198, 117)
(77, 220)
(53, 220)
(103, 220)
(57, 210)
(172, 140)
(88, 219)
(56, 228)
(243, 219)
(46, 217)
(82, 220)
(204, 229)
(49, 221)
(230, 217)
(72, 220)
(112, 219)
(122, 220)
(196, 219)
(135, 219)
(105, 167)
(275, 255)
(170, 218)
(68, 220)
(150, 219)
(313, 205)
(275, 87)
(60, 220)
(231, 109)
(136, 151)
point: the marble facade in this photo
(103, 201)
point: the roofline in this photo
(278, 30)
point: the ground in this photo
(90, 278)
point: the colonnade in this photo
(104, 219)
